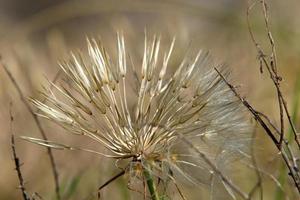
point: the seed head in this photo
(140, 111)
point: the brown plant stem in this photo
(16, 159)
(285, 152)
(110, 181)
(40, 128)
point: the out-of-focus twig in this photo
(40, 128)
(16, 159)
(214, 168)
(36, 196)
(267, 175)
(258, 185)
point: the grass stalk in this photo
(151, 185)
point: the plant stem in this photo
(151, 185)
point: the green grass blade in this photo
(69, 189)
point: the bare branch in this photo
(110, 181)
(270, 63)
(16, 159)
(40, 128)
(290, 163)
(255, 114)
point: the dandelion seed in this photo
(145, 129)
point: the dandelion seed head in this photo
(139, 111)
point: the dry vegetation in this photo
(258, 40)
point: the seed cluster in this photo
(139, 111)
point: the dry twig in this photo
(286, 153)
(110, 181)
(270, 63)
(16, 159)
(40, 128)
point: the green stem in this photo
(151, 185)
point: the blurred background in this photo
(35, 35)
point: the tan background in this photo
(35, 34)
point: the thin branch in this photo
(40, 128)
(270, 63)
(18, 169)
(178, 189)
(258, 185)
(255, 114)
(271, 66)
(16, 159)
(293, 171)
(35, 194)
(269, 122)
(268, 175)
(228, 182)
(110, 181)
